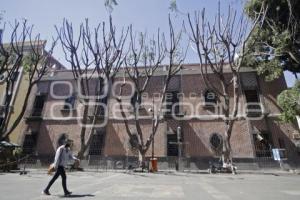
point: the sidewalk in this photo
(148, 186)
(276, 172)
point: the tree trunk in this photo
(226, 154)
(227, 151)
(142, 160)
(80, 154)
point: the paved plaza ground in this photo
(144, 186)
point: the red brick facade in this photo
(196, 130)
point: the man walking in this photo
(63, 156)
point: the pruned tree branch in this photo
(23, 52)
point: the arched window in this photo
(134, 141)
(97, 143)
(29, 143)
(172, 103)
(210, 97)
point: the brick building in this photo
(53, 112)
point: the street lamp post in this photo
(153, 128)
(179, 143)
(153, 160)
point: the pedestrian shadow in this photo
(78, 196)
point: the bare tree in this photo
(142, 61)
(23, 50)
(221, 48)
(94, 53)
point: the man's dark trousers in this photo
(60, 171)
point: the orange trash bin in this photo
(153, 164)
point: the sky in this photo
(144, 15)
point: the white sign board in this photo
(276, 154)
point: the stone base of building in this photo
(164, 163)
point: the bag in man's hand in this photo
(51, 169)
